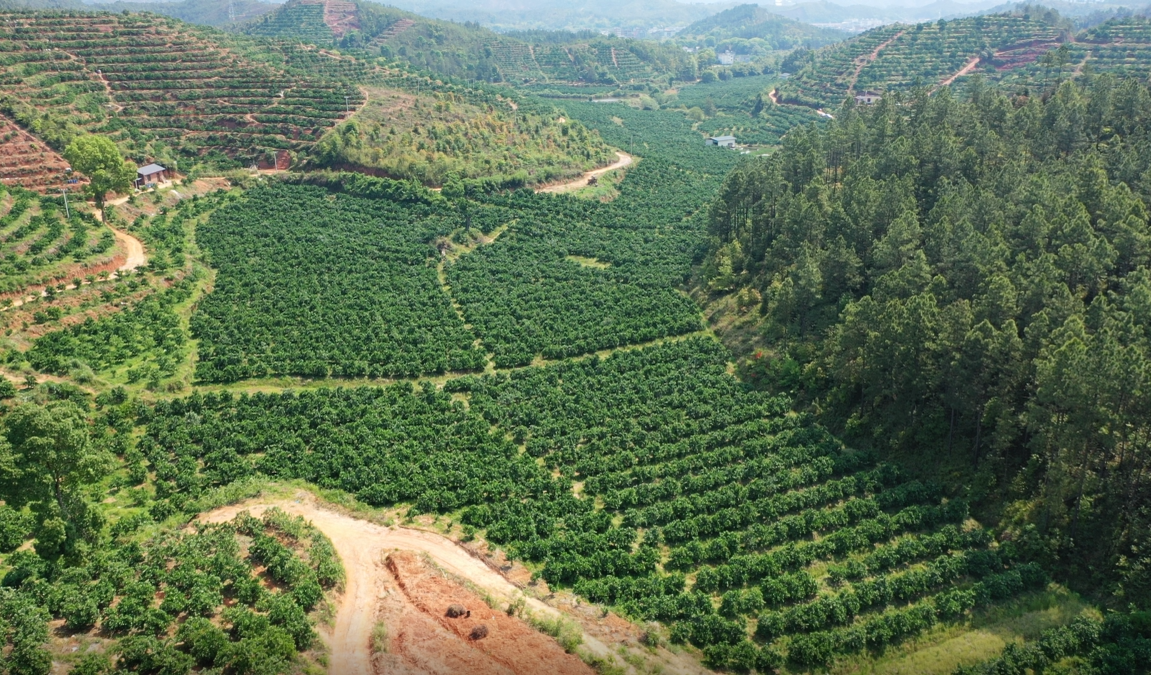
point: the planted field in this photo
(315, 284)
(679, 496)
(927, 54)
(233, 595)
(28, 162)
(527, 295)
(40, 246)
(157, 86)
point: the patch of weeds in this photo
(380, 638)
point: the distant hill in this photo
(752, 21)
(202, 12)
(901, 56)
(824, 12)
(1029, 47)
(468, 50)
(574, 15)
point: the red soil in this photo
(28, 162)
(426, 640)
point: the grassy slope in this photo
(430, 136)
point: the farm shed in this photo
(722, 141)
(153, 173)
(867, 98)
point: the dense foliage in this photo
(679, 454)
(1120, 644)
(315, 284)
(232, 597)
(968, 281)
(434, 136)
(397, 444)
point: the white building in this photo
(722, 141)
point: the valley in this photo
(427, 349)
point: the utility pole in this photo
(231, 11)
(347, 106)
(67, 210)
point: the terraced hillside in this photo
(1122, 47)
(158, 87)
(42, 243)
(28, 162)
(926, 54)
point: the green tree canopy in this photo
(100, 160)
(47, 458)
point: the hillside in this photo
(1018, 49)
(204, 12)
(926, 54)
(945, 311)
(577, 15)
(466, 50)
(750, 22)
(160, 88)
(434, 136)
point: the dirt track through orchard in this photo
(362, 546)
(133, 249)
(624, 160)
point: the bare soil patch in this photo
(404, 579)
(495, 642)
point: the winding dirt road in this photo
(624, 160)
(133, 249)
(362, 546)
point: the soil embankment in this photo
(404, 595)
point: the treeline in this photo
(968, 281)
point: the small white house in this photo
(867, 98)
(722, 141)
(726, 58)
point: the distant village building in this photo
(153, 173)
(722, 141)
(726, 58)
(867, 98)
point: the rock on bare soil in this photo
(488, 640)
(418, 642)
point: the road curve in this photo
(362, 546)
(624, 160)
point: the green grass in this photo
(984, 636)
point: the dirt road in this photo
(134, 250)
(970, 66)
(864, 60)
(624, 160)
(363, 546)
